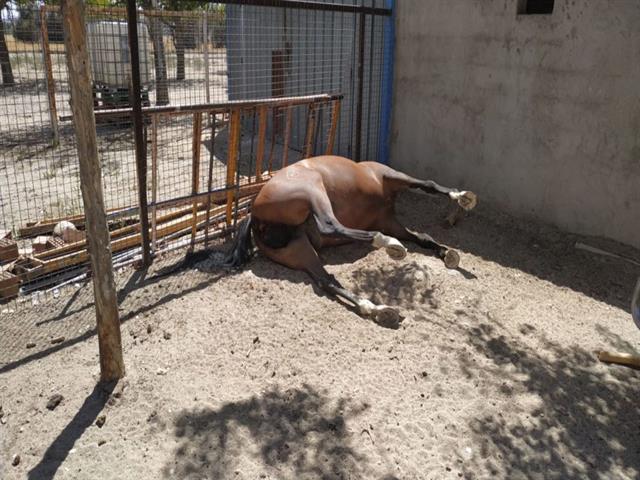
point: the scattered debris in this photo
(100, 421)
(68, 232)
(9, 285)
(599, 251)
(619, 358)
(54, 401)
(8, 250)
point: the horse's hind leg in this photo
(330, 226)
(299, 254)
(391, 226)
(467, 200)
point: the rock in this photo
(161, 371)
(15, 460)
(166, 335)
(256, 340)
(149, 329)
(57, 340)
(31, 345)
(101, 442)
(54, 401)
(100, 421)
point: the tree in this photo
(159, 57)
(183, 31)
(5, 61)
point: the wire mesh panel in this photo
(295, 82)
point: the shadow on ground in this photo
(298, 430)
(529, 246)
(582, 423)
(61, 447)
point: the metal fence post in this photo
(387, 84)
(141, 151)
(360, 91)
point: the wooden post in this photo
(335, 118)
(262, 134)
(195, 170)
(48, 68)
(311, 127)
(154, 180)
(287, 134)
(106, 302)
(232, 160)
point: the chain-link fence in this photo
(299, 81)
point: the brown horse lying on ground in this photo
(330, 200)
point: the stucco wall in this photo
(539, 114)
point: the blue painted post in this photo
(384, 146)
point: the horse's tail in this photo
(242, 249)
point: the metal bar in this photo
(308, 139)
(370, 89)
(262, 136)
(335, 118)
(154, 179)
(221, 107)
(205, 34)
(136, 111)
(358, 146)
(210, 179)
(287, 134)
(292, 4)
(51, 94)
(387, 85)
(195, 168)
(232, 160)
(307, 5)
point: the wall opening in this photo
(535, 7)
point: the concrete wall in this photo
(539, 114)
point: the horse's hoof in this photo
(466, 200)
(451, 259)
(393, 247)
(387, 317)
(396, 252)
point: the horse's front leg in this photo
(300, 254)
(391, 226)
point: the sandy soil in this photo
(253, 375)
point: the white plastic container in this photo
(108, 44)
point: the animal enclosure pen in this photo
(230, 92)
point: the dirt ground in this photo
(254, 375)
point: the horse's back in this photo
(355, 191)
